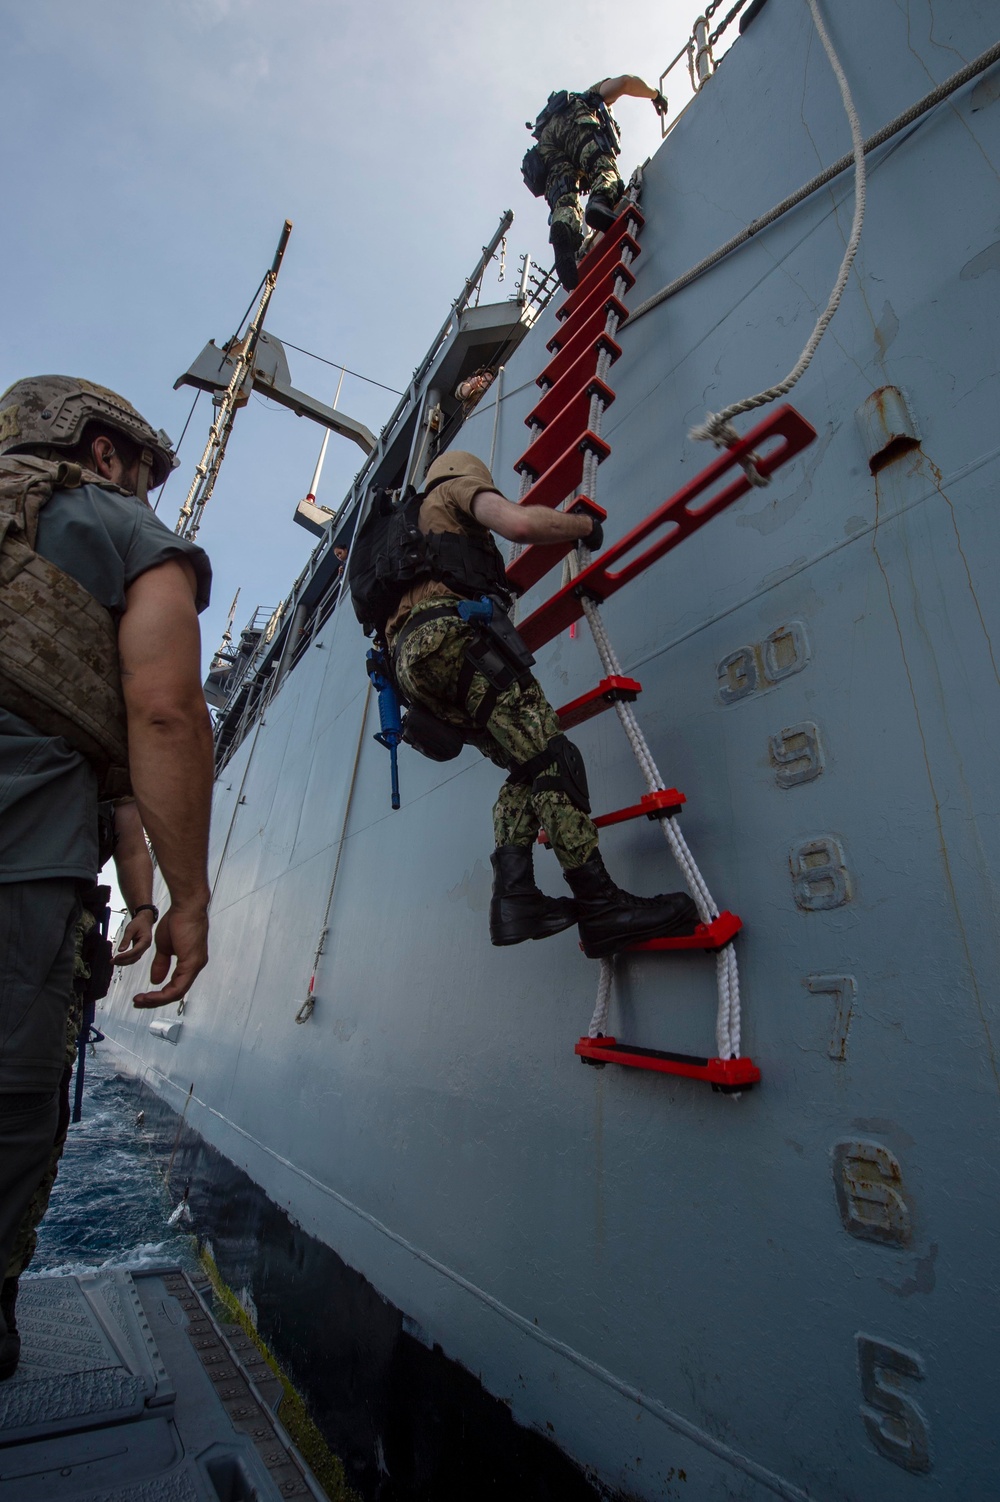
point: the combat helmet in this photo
(52, 411)
(455, 463)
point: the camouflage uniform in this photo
(27, 1236)
(575, 147)
(521, 725)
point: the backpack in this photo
(534, 171)
(375, 597)
(390, 554)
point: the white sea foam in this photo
(148, 1254)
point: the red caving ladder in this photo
(559, 464)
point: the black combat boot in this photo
(611, 919)
(600, 212)
(10, 1344)
(519, 910)
(565, 243)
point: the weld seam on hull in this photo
(675, 1421)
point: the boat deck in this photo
(129, 1389)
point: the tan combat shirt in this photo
(448, 508)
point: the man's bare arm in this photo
(613, 89)
(527, 523)
(170, 760)
(135, 881)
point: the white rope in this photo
(899, 123)
(717, 427)
(727, 1027)
(599, 1022)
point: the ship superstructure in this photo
(782, 1292)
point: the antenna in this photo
(227, 635)
(236, 395)
(314, 483)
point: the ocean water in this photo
(110, 1205)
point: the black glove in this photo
(660, 104)
(595, 541)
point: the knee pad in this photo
(570, 776)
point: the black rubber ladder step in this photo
(708, 936)
(606, 256)
(676, 519)
(563, 428)
(564, 362)
(724, 1075)
(612, 690)
(580, 377)
(577, 309)
(536, 561)
(578, 334)
(661, 804)
(562, 477)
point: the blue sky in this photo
(154, 149)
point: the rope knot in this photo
(719, 430)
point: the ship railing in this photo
(701, 55)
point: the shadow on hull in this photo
(408, 1423)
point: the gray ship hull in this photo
(789, 1293)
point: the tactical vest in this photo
(59, 665)
(391, 553)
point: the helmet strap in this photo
(145, 470)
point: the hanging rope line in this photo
(177, 448)
(251, 305)
(892, 128)
(308, 1006)
(336, 365)
(718, 426)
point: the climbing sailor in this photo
(578, 140)
(87, 572)
(465, 672)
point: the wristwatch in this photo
(146, 907)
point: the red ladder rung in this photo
(577, 335)
(581, 377)
(724, 1075)
(536, 561)
(608, 253)
(566, 360)
(578, 309)
(600, 579)
(562, 478)
(661, 804)
(567, 424)
(715, 935)
(612, 690)
(629, 221)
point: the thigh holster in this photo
(569, 777)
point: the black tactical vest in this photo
(391, 554)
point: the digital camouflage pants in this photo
(27, 1235)
(574, 150)
(521, 725)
